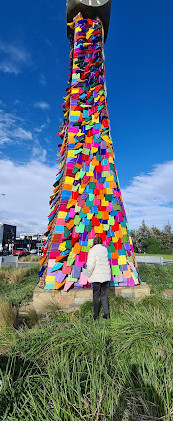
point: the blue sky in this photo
(34, 62)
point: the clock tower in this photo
(90, 9)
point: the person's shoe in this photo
(106, 316)
(95, 318)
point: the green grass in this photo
(30, 258)
(165, 256)
(157, 277)
(68, 367)
(109, 370)
(17, 294)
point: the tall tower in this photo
(86, 200)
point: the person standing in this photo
(99, 274)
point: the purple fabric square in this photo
(60, 277)
(76, 270)
(127, 246)
(77, 285)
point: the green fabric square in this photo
(88, 227)
(82, 173)
(82, 214)
(70, 279)
(112, 167)
(77, 151)
(115, 270)
(75, 170)
(68, 244)
(92, 185)
(70, 261)
(116, 207)
(91, 197)
(86, 151)
(86, 249)
(105, 227)
(77, 208)
(100, 107)
(66, 232)
(77, 220)
(75, 188)
(125, 239)
(111, 248)
(108, 197)
(111, 220)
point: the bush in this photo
(152, 245)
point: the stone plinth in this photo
(43, 300)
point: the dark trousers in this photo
(99, 291)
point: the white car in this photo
(33, 251)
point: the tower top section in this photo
(89, 9)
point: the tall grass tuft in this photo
(7, 315)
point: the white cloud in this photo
(42, 80)
(13, 58)
(150, 197)
(27, 188)
(38, 153)
(22, 134)
(9, 132)
(42, 105)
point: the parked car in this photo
(33, 251)
(21, 252)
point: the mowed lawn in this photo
(165, 256)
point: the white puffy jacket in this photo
(98, 267)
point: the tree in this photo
(152, 245)
(142, 233)
(168, 228)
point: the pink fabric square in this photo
(66, 269)
(72, 213)
(78, 262)
(83, 279)
(109, 207)
(68, 285)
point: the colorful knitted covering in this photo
(86, 200)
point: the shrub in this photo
(16, 276)
(152, 245)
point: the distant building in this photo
(34, 237)
(7, 236)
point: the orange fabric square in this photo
(70, 224)
(77, 248)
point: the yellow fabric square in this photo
(50, 279)
(75, 90)
(104, 202)
(62, 246)
(62, 215)
(71, 154)
(89, 215)
(122, 260)
(81, 189)
(69, 180)
(110, 178)
(90, 173)
(99, 230)
(93, 149)
(124, 231)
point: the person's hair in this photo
(97, 240)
